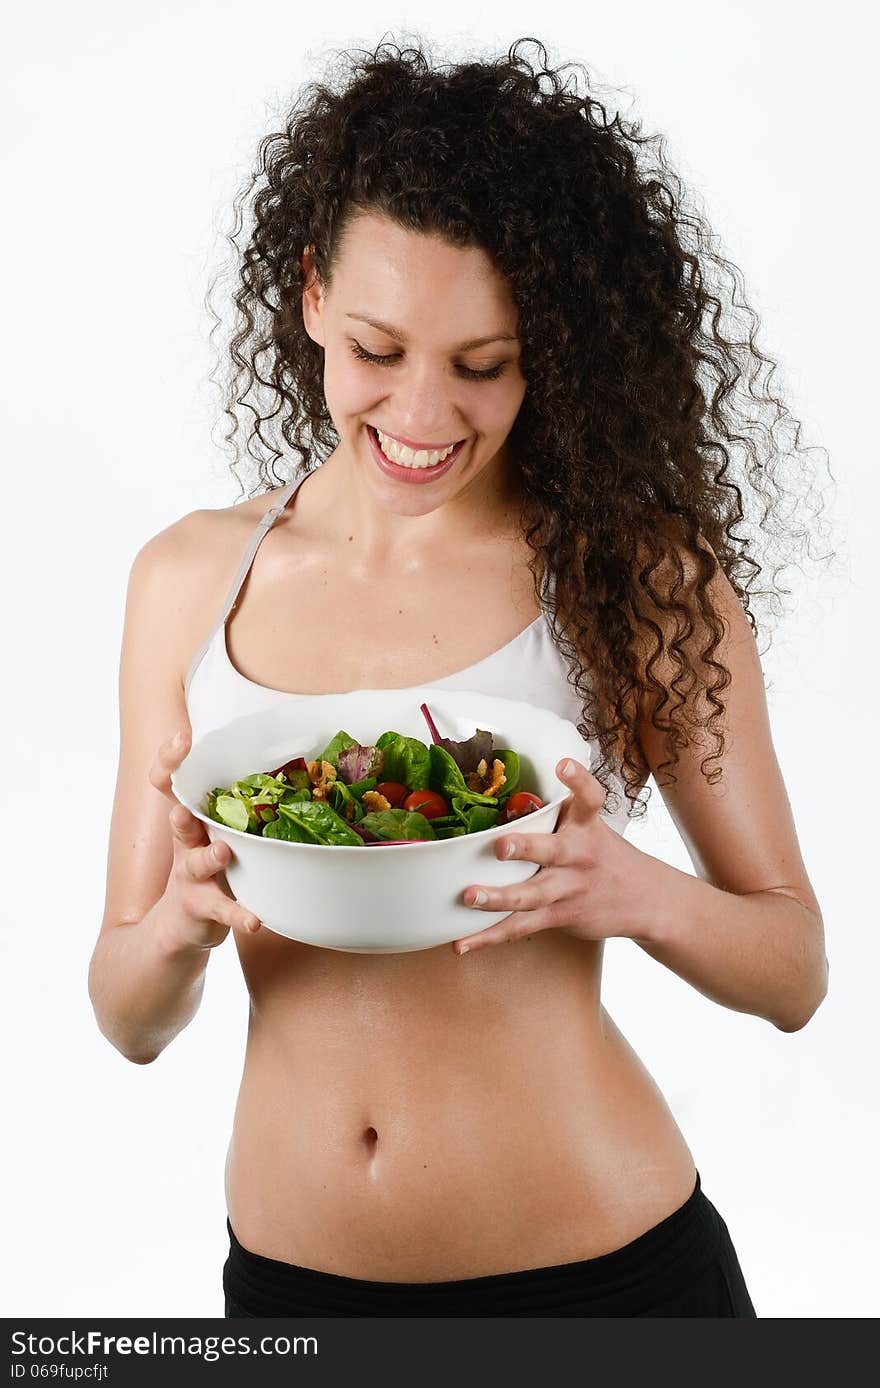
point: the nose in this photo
(425, 411)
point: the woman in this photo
(483, 330)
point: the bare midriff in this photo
(426, 1117)
(422, 1117)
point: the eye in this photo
(363, 355)
(491, 374)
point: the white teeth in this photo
(406, 457)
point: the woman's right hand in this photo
(194, 910)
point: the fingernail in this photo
(464, 949)
(479, 899)
(565, 769)
(178, 740)
(509, 850)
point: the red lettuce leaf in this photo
(468, 754)
(357, 763)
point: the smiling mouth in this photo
(418, 460)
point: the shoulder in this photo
(200, 539)
(183, 572)
(690, 630)
(677, 587)
(200, 548)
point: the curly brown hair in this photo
(651, 433)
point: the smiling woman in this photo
(418, 391)
(496, 341)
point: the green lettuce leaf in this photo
(232, 811)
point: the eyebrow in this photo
(400, 336)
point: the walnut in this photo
(484, 781)
(322, 774)
(498, 777)
(374, 801)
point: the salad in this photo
(396, 790)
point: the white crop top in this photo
(530, 667)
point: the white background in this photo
(131, 132)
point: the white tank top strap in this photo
(263, 526)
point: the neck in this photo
(484, 510)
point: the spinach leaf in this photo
(336, 745)
(286, 828)
(398, 824)
(464, 801)
(293, 796)
(452, 831)
(345, 803)
(510, 761)
(406, 760)
(445, 773)
(359, 787)
(480, 817)
(317, 819)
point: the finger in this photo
(167, 759)
(186, 828)
(516, 926)
(238, 917)
(204, 863)
(549, 850)
(545, 887)
(217, 907)
(588, 793)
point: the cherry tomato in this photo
(522, 802)
(427, 803)
(395, 793)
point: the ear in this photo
(313, 299)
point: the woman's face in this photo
(429, 302)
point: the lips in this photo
(413, 475)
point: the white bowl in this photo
(393, 898)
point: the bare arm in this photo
(759, 952)
(748, 930)
(164, 909)
(143, 990)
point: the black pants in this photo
(684, 1266)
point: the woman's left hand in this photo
(591, 883)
